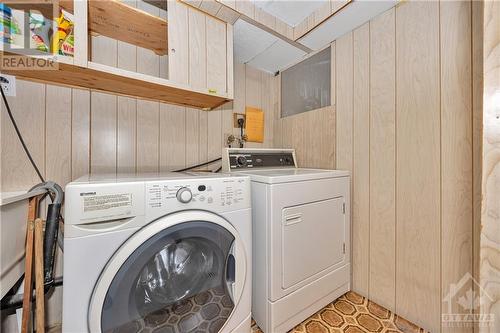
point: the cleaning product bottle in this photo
(5, 23)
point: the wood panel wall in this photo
(252, 88)
(312, 133)
(403, 122)
(410, 135)
(72, 132)
(490, 233)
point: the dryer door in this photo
(309, 234)
(178, 274)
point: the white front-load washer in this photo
(157, 253)
(301, 235)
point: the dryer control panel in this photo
(234, 159)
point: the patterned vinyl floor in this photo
(352, 313)
(204, 313)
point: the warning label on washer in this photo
(105, 202)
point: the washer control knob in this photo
(241, 161)
(184, 195)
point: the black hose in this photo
(51, 228)
(20, 136)
(10, 303)
(198, 165)
(50, 241)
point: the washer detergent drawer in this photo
(313, 239)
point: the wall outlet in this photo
(8, 84)
(237, 116)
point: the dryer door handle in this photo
(293, 219)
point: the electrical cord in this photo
(20, 136)
(198, 165)
(241, 124)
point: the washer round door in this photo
(181, 273)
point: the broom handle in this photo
(28, 264)
(39, 292)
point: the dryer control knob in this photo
(184, 195)
(241, 161)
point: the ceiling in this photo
(262, 50)
(290, 12)
(350, 17)
(265, 51)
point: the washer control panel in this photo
(227, 193)
(241, 159)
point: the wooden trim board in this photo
(318, 17)
(109, 79)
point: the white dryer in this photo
(157, 253)
(301, 235)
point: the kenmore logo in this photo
(87, 193)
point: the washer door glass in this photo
(177, 281)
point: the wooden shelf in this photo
(116, 20)
(121, 82)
